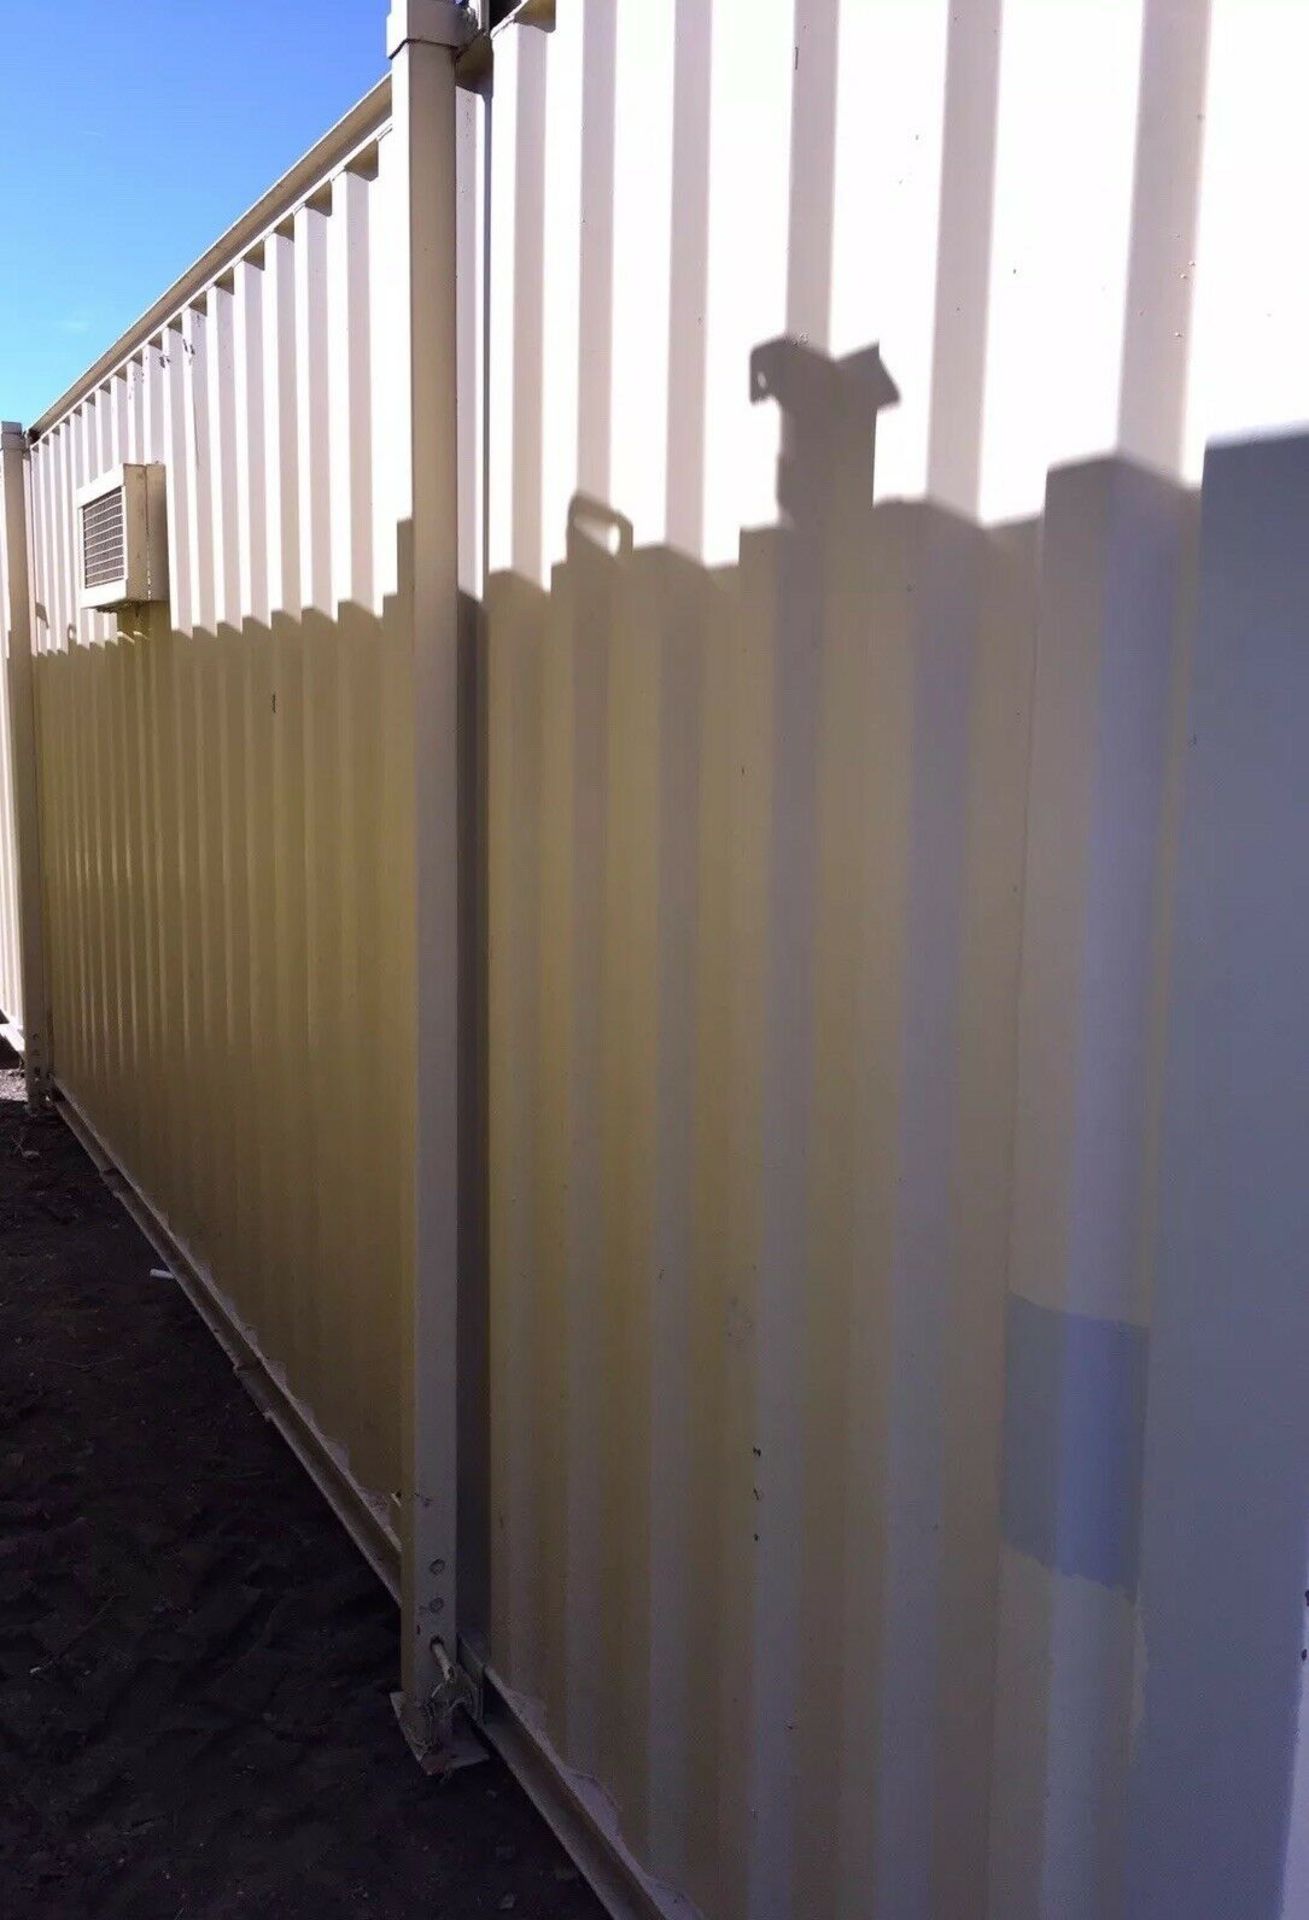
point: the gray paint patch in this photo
(1073, 1437)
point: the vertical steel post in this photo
(17, 619)
(423, 37)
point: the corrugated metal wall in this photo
(822, 1249)
(848, 1316)
(756, 846)
(226, 809)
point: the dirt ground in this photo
(194, 1661)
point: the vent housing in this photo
(122, 538)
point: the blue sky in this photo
(134, 131)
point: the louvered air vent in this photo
(122, 538)
(104, 541)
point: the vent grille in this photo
(104, 542)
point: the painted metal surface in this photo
(225, 808)
(756, 853)
(12, 530)
(423, 37)
(835, 815)
(853, 968)
(22, 895)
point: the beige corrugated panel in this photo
(225, 810)
(754, 941)
(756, 830)
(11, 981)
(834, 819)
(814, 1086)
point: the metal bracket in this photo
(40, 1086)
(532, 13)
(439, 1740)
(475, 64)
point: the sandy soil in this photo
(194, 1661)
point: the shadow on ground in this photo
(194, 1662)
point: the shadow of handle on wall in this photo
(829, 414)
(593, 524)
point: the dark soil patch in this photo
(194, 1662)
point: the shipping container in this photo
(685, 918)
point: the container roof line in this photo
(352, 132)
